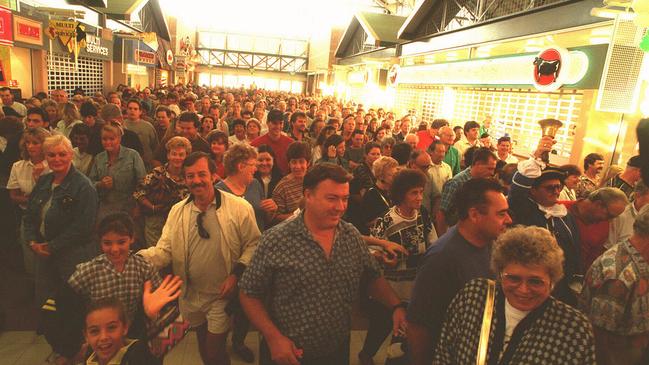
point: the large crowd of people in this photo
(230, 210)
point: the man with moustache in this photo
(209, 238)
(299, 287)
(589, 181)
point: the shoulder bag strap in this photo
(483, 344)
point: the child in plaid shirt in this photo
(120, 274)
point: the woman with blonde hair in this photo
(116, 172)
(24, 175)
(69, 117)
(51, 109)
(59, 219)
(26, 172)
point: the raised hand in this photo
(168, 291)
(545, 145)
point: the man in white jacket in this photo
(209, 239)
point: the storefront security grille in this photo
(513, 111)
(62, 73)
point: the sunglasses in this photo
(552, 188)
(516, 280)
(202, 232)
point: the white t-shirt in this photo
(22, 177)
(513, 317)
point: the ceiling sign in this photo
(516, 70)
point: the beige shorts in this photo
(198, 308)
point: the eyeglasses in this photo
(516, 280)
(202, 232)
(552, 188)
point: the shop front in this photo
(515, 82)
(78, 62)
(365, 53)
(138, 64)
(28, 53)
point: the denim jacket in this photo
(127, 172)
(70, 220)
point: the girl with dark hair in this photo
(267, 172)
(333, 151)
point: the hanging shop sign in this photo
(28, 31)
(136, 52)
(6, 30)
(393, 74)
(516, 70)
(71, 34)
(180, 63)
(551, 67)
(170, 57)
(145, 57)
(97, 47)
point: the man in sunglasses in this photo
(209, 238)
(533, 200)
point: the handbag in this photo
(483, 343)
(167, 330)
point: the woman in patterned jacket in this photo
(528, 325)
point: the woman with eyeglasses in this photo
(240, 162)
(527, 325)
(116, 172)
(163, 187)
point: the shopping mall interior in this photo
(503, 65)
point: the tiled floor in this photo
(26, 348)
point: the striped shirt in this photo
(287, 194)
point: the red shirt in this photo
(279, 148)
(592, 237)
(425, 139)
